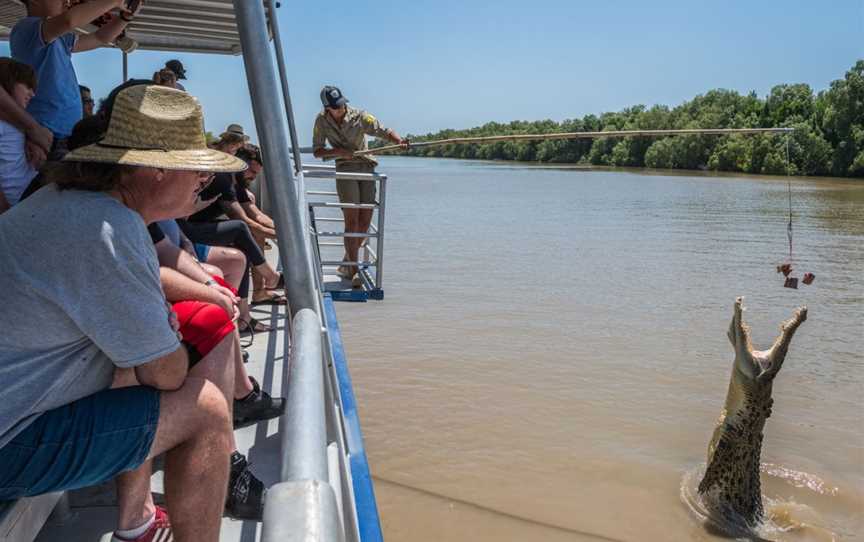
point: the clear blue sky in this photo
(425, 65)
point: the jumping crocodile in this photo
(730, 489)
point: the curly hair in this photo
(250, 153)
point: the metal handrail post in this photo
(302, 428)
(286, 96)
(382, 201)
(290, 231)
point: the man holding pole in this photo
(346, 129)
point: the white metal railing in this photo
(371, 264)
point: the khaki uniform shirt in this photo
(349, 134)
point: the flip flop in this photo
(276, 299)
(252, 326)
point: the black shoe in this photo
(245, 356)
(257, 406)
(245, 498)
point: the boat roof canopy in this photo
(194, 26)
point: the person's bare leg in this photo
(231, 261)
(242, 384)
(269, 275)
(195, 432)
(352, 217)
(134, 500)
(364, 219)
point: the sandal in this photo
(252, 326)
(274, 299)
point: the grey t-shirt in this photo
(79, 294)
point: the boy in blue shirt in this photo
(45, 40)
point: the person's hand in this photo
(224, 291)
(131, 8)
(166, 78)
(41, 136)
(35, 154)
(228, 302)
(405, 144)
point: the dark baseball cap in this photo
(177, 67)
(332, 97)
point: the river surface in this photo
(551, 355)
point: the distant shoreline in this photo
(566, 166)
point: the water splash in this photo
(785, 519)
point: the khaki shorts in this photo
(355, 191)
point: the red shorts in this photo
(203, 325)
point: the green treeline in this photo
(828, 140)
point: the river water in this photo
(551, 355)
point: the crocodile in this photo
(730, 490)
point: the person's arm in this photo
(18, 117)
(319, 143)
(257, 214)
(335, 152)
(170, 255)
(166, 373)
(104, 36)
(234, 210)
(77, 16)
(373, 127)
(187, 244)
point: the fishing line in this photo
(573, 135)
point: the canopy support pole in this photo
(294, 251)
(286, 96)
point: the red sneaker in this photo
(160, 531)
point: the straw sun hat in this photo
(156, 126)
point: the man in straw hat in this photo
(83, 308)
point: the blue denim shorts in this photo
(81, 444)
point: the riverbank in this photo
(631, 170)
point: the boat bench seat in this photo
(22, 519)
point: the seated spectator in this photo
(209, 227)
(226, 262)
(87, 101)
(231, 140)
(16, 174)
(191, 288)
(251, 154)
(59, 355)
(45, 40)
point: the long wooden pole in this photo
(577, 135)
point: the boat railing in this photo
(371, 263)
(305, 505)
